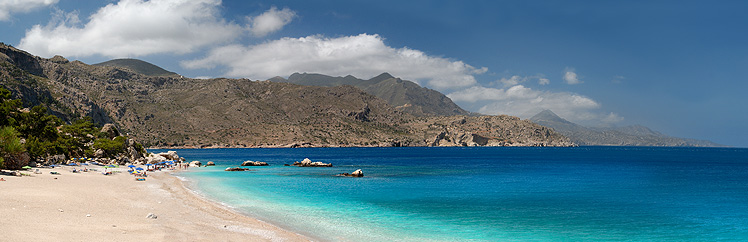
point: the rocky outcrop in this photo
(195, 164)
(99, 153)
(501, 130)
(308, 163)
(236, 169)
(55, 159)
(254, 163)
(110, 130)
(357, 173)
(210, 163)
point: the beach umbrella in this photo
(73, 164)
(26, 167)
(131, 166)
(139, 168)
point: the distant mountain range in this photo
(635, 135)
(160, 109)
(138, 66)
(402, 94)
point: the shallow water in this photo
(488, 194)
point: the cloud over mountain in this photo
(8, 7)
(361, 55)
(524, 102)
(132, 28)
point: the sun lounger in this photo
(54, 173)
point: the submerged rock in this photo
(236, 169)
(254, 163)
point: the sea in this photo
(486, 193)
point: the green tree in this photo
(7, 107)
(38, 123)
(111, 147)
(11, 150)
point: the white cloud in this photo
(571, 77)
(132, 28)
(270, 21)
(512, 81)
(7, 7)
(612, 118)
(543, 81)
(361, 55)
(525, 102)
(617, 79)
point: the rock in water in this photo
(308, 163)
(195, 164)
(210, 163)
(358, 173)
(236, 169)
(254, 163)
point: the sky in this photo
(678, 67)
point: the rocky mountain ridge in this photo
(402, 94)
(173, 111)
(635, 135)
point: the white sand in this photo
(41, 208)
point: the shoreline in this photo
(90, 206)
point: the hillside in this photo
(635, 135)
(168, 111)
(404, 95)
(138, 66)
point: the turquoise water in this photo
(488, 194)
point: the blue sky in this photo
(675, 66)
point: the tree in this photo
(7, 107)
(11, 150)
(111, 147)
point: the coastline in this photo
(89, 206)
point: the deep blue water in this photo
(488, 194)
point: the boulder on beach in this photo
(210, 163)
(195, 163)
(99, 153)
(308, 163)
(236, 169)
(254, 163)
(357, 173)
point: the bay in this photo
(487, 193)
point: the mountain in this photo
(173, 111)
(404, 95)
(138, 66)
(635, 135)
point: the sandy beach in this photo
(89, 206)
